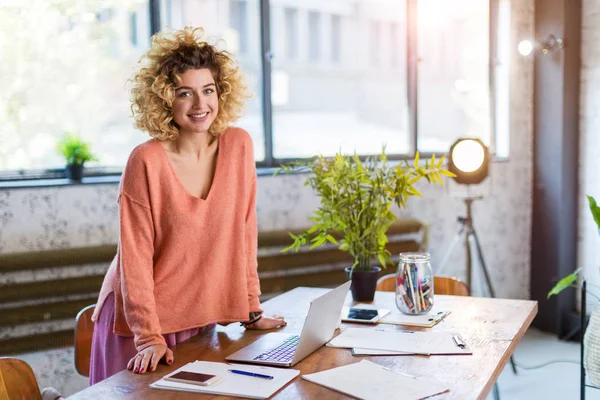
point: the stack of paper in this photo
(367, 380)
(428, 320)
(232, 384)
(378, 342)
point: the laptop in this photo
(284, 349)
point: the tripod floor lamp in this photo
(469, 160)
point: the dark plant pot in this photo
(74, 172)
(363, 283)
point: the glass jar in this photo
(414, 284)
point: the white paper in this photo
(367, 380)
(232, 384)
(370, 352)
(427, 320)
(404, 342)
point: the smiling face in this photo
(196, 103)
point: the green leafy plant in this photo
(571, 279)
(356, 201)
(74, 149)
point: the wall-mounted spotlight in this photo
(550, 45)
(469, 160)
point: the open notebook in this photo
(367, 380)
(232, 384)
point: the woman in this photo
(188, 235)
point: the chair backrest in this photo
(449, 285)
(84, 329)
(17, 380)
(441, 285)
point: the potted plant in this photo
(591, 339)
(76, 153)
(356, 202)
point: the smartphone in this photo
(193, 378)
(364, 315)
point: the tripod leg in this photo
(446, 258)
(469, 263)
(489, 283)
(496, 391)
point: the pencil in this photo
(415, 299)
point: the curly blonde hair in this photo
(171, 54)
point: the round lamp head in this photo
(469, 161)
(525, 47)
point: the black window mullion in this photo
(412, 61)
(154, 16)
(265, 44)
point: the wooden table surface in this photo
(492, 328)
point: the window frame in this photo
(269, 163)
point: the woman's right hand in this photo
(148, 358)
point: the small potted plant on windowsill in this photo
(76, 153)
(356, 201)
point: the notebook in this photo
(231, 384)
(388, 342)
(367, 380)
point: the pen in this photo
(239, 372)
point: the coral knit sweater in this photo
(184, 262)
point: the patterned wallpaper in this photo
(35, 219)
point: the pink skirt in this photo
(111, 352)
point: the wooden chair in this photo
(441, 285)
(17, 380)
(84, 329)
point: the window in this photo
(336, 38)
(349, 75)
(291, 33)
(453, 72)
(375, 42)
(502, 80)
(394, 44)
(240, 34)
(351, 109)
(63, 67)
(238, 22)
(314, 36)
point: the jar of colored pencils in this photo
(414, 284)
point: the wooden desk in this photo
(491, 327)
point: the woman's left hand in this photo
(265, 322)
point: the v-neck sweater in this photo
(182, 261)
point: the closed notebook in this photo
(231, 384)
(370, 381)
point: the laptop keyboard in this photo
(282, 353)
